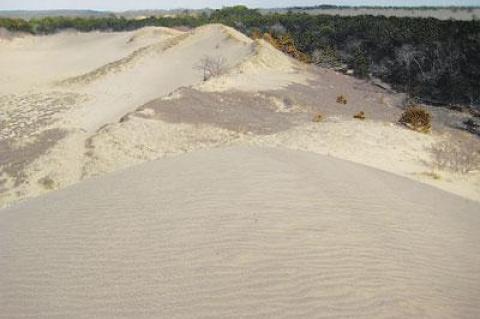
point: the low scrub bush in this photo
(47, 182)
(317, 118)
(472, 126)
(341, 100)
(211, 67)
(461, 157)
(360, 115)
(286, 44)
(416, 118)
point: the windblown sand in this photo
(244, 233)
(76, 105)
(235, 228)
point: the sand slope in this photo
(244, 233)
(78, 83)
(36, 61)
(75, 105)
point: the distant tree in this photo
(436, 60)
(360, 64)
(277, 30)
(327, 57)
(409, 57)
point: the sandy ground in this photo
(336, 220)
(76, 105)
(245, 233)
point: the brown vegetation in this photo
(416, 118)
(211, 66)
(286, 44)
(360, 115)
(47, 182)
(341, 100)
(317, 118)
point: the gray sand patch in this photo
(236, 111)
(25, 115)
(321, 93)
(273, 111)
(124, 63)
(14, 159)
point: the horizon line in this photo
(286, 7)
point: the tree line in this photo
(435, 60)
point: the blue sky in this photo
(162, 4)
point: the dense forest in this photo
(437, 61)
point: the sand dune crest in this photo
(245, 233)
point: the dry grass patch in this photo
(360, 115)
(342, 100)
(286, 44)
(431, 175)
(47, 182)
(417, 119)
(317, 118)
(460, 157)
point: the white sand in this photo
(36, 61)
(266, 69)
(244, 233)
(112, 74)
(84, 83)
(386, 146)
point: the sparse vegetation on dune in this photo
(211, 67)
(317, 118)
(282, 103)
(47, 182)
(248, 135)
(342, 100)
(286, 44)
(457, 156)
(360, 115)
(417, 119)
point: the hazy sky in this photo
(163, 4)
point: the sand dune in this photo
(39, 60)
(235, 228)
(79, 83)
(75, 105)
(244, 233)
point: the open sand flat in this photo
(245, 233)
